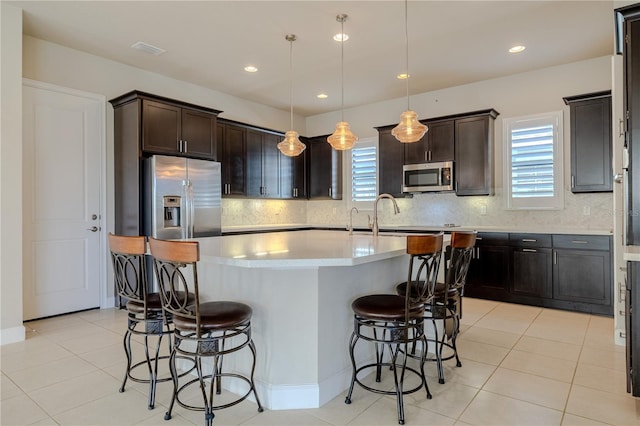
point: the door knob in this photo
(93, 229)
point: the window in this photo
(364, 171)
(533, 162)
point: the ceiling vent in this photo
(147, 48)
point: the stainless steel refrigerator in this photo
(181, 197)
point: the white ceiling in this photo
(209, 42)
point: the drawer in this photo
(530, 240)
(492, 238)
(586, 242)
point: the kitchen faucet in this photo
(396, 210)
(351, 219)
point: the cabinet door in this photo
(582, 276)
(233, 160)
(441, 141)
(473, 154)
(416, 152)
(271, 166)
(198, 134)
(325, 170)
(160, 128)
(488, 274)
(531, 272)
(591, 145)
(253, 175)
(390, 162)
(299, 175)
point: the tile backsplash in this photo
(581, 211)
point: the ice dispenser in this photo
(171, 211)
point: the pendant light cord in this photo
(406, 39)
(342, 69)
(291, 79)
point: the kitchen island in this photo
(300, 285)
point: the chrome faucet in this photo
(396, 210)
(351, 219)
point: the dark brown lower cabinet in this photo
(488, 275)
(570, 272)
(532, 273)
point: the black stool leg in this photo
(352, 345)
(438, 350)
(127, 350)
(174, 376)
(252, 346)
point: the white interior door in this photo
(62, 156)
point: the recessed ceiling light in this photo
(403, 76)
(517, 49)
(341, 37)
(322, 96)
(250, 68)
(147, 48)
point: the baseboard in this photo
(12, 335)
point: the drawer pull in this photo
(528, 240)
(580, 242)
(530, 250)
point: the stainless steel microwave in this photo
(427, 177)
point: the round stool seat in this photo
(216, 315)
(385, 307)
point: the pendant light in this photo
(291, 145)
(409, 129)
(342, 138)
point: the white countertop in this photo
(312, 248)
(426, 228)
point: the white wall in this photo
(11, 329)
(522, 94)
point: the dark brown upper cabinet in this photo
(474, 165)
(435, 146)
(263, 164)
(325, 170)
(232, 153)
(390, 162)
(591, 144)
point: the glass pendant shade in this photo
(342, 138)
(291, 145)
(409, 129)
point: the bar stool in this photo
(144, 310)
(446, 304)
(395, 321)
(201, 330)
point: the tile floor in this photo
(521, 365)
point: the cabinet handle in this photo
(555, 257)
(477, 252)
(528, 240)
(622, 312)
(180, 145)
(620, 293)
(573, 181)
(330, 192)
(478, 238)
(623, 334)
(186, 149)
(620, 128)
(580, 242)
(530, 250)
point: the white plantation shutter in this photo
(363, 173)
(533, 161)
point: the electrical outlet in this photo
(586, 210)
(483, 210)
